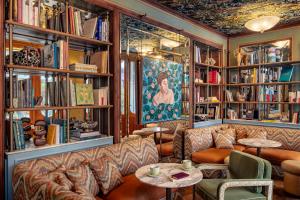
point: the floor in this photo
(279, 193)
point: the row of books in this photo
(214, 77)
(197, 54)
(55, 55)
(52, 15)
(23, 95)
(57, 132)
(18, 134)
(266, 75)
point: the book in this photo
(84, 94)
(53, 136)
(100, 59)
(286, 74)
(292, 97)
(179, 175)
(295, 118)
(89, 27)
(101, 96)
(83, 67)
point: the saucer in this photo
(152, 175)
(187, 169)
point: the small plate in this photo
(185, 169)
(151, 175)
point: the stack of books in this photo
(83, 67)
(78, 136)
(96, 27)
(57, 132)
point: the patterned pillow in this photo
(83, 177)
(58, 176)
(106, 173)
(257, 134)
(224, 139)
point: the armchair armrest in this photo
(245, 183)
(212, 166)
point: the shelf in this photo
(207, 65)
(58, 33)
(271, 83)
(208, 84)
(258, 102)
(43, 70)
(205, 103)
(265, 65)
(57, 108)
(262, 123)
(211, 122)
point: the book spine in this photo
(16, 138)
(22, 139)
(20, 14)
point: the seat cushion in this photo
(213, 155)
(133, 189)
(208, 189)
(166, 149)
(275, 156)
(291, 166)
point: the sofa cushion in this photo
(106, 174)
(213, 155)
(261, 134)
(223, 139)
(275, 156)
(166, 149)
(132, 189)
(58, 176)
(82, 176)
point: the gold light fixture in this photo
(262, 23)
(169, 43)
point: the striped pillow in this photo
(82, 176)
(58, 176)
(257, 134)
(224, 139)
(106, 173)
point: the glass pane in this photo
(132, 87)
(122, 86)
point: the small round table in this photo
(164, 179)
(259, 143)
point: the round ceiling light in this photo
(262, 24)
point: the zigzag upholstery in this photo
(30, 179)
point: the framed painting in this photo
(161, 95)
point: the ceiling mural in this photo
(230, 16)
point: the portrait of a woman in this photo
(165, 94)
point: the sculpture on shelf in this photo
(40, 133)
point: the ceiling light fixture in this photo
(169, 43)
(262, 23)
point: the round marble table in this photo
(259, 143)
(164, 179)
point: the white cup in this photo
(187, 164)
(154, 170)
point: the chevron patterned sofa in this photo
(31, 179)
(199, 145)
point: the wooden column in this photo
(191, 84)
(2, 143)
(116, 83)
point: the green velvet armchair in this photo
(248, 177)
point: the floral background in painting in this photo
(154, 112)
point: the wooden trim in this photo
(184, 17)
(116, 83)
(2, 141)
(191, 86)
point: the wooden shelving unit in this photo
(206, 89)
(33, 33)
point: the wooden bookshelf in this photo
(205, 89)
(36, 34)
(263, 108)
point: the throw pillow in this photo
(257, 134)
(224, 139)
(59, 177)
(106, 173)
(83, 177)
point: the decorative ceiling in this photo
(229, 16)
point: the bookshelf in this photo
(207, 83)
(75, 31)
(264, 87)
